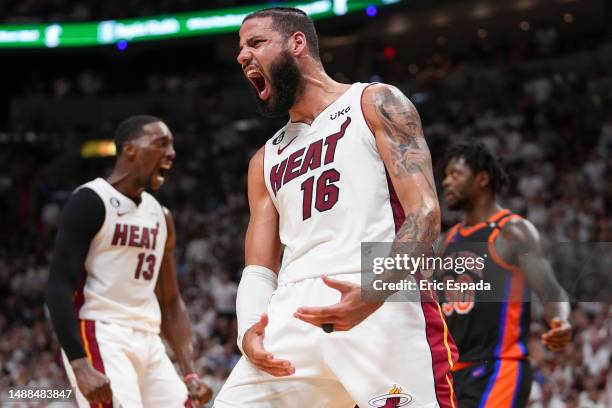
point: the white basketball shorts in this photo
(140, 372)
(401, 355)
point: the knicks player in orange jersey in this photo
(350, 166)
(113, 284)
(491, 329)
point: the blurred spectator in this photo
(552, 129)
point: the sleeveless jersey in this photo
(487, 324)
(330, 188)
(122, 265)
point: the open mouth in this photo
(162, 171)
(259, 82)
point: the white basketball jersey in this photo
(123, 262)
(330, 188)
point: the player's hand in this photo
(252, 344)
(344, 315)
(94, 385)
(199, 392)
(559, 335)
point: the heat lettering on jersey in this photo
(305, 159)
(135, 236)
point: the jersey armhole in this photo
(361, 106)
(451, 233)
(493, 237)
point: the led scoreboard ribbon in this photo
(182, 25)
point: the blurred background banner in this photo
(531, 79)
(160, 27)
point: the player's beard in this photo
(285, 79)
(460, 204)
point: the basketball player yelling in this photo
(350, 166)
(114, 257)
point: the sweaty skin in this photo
(399, 138)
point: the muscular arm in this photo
(262, 256)
(81, 219)
(262, 242)
(519, 240)
(397, 127)
(175, 326)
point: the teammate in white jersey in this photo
(113, 285)
(350, 166)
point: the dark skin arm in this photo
(397, 128)
(519, 241)
(263, 248)
(175, 326)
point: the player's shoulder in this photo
(86, 194)
(167, 215)
(101, 188)
(258, 157)
(90, 192)
(84, 207)
(519, 230)
(379, 100)
(376, 92)
(92, 185)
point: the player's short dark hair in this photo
(288, 20)
(479, 158)
(131, 129)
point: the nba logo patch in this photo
(278, 138)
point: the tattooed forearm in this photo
(414, 238)
(422, 226)
(404, 133)
(418, 232)
(399, 134)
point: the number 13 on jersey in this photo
(149, 269)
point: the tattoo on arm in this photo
(404, 133)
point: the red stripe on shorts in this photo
(443, 353)
(94, 354)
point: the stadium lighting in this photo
(150, 28)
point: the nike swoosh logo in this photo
(121, 214)
(280, 151)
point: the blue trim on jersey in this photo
(522, 346)
(523, 312)
(502, 321)
(485, 395)
(517, 388)
(500, 342)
